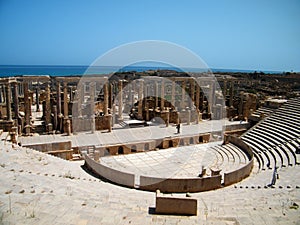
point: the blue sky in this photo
(257, 34)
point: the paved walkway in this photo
(130, 135)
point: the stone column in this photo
(105, 92)
(71, 94)
(59, 114)
(201, 101)
(66, 106)
(55, 118)
(214, 92)
(8, 101)
(48, 110)
(110, 93)
(92, 106)
(147, 112)
(16, 102)
(67, 122)
(133, 93)
(113, 114)
(225, 89)
(58, 98)
(162, 95)
(37, 99)
(156, 94)
(209, 99)
(27, 108)
(120, 94)
(173, 93)
(183, 94)
(241, 105)
(81, 96)
(140, 99)
(188, 117)
(167, 118)
(192, 92)
(231, 94)
(1, 93)
(197, 96)
(211, 94)
(129, 94)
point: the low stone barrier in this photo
(113, 175)
(238, 175)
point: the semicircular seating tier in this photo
(275, 140)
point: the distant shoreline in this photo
(65, 70)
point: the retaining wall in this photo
(48, 147)
(240, 174)
(115, 176)
(180, 185)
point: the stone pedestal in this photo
(178, 118)
(49, 128)
(188, 117)
(109, 117)
(67, 127)
(14, 135)
(27, 129)
(199, 117)
(215, 171)
(93, 126)
(167, 118)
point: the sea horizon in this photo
(79, 70)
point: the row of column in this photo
(156, 89)
(231, 91)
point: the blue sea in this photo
(18, 70)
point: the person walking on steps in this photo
(178, 128)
